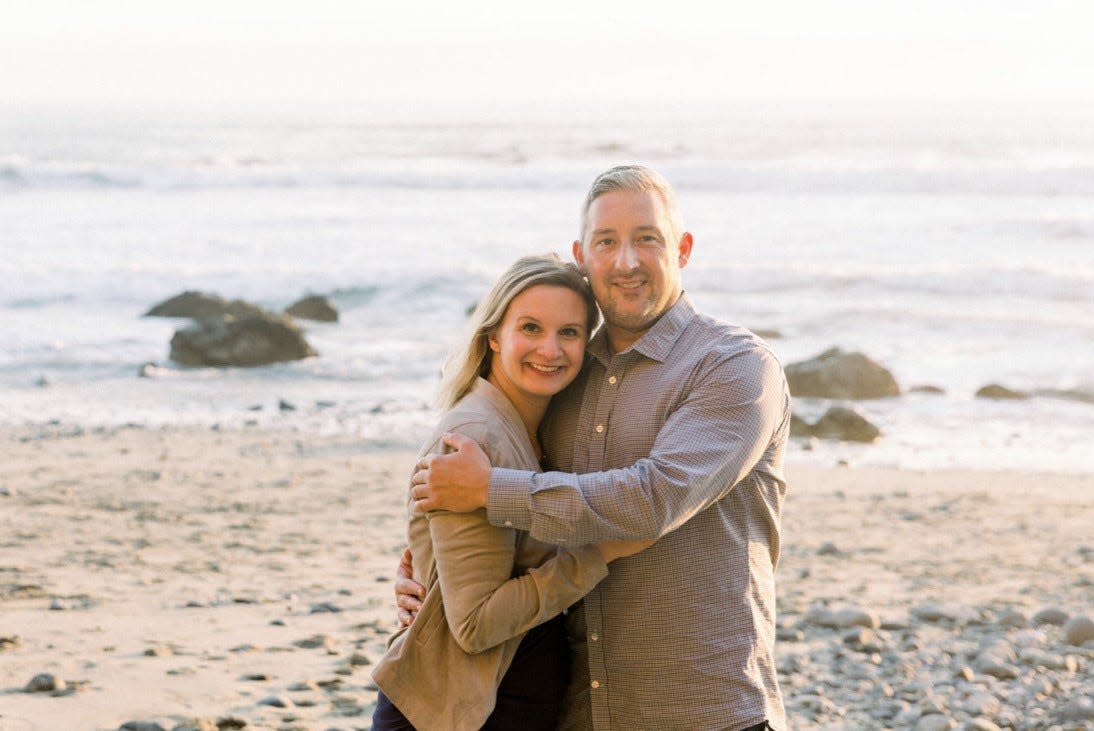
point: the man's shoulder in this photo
(726, 340)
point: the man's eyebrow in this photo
(602, 231)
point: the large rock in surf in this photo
(198, 305)
(315, 307)
(846, 425)
(246, 341)
(838, 374)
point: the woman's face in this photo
(539, 345)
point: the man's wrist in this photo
(508, 498)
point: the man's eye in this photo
(603, 242)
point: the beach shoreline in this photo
(184, 574)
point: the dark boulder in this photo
(928, 389)
(799, 427)
(315, 307)
(839, 374)
(198, 305)
(846, 425)
(995, 391)
(247, 341)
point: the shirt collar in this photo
(657, 341)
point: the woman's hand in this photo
(611, 550)
(408, 592)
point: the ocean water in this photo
(955, 245)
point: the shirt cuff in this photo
(509, 498)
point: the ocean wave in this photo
(515, 169)
(1011, 284)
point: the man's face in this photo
(632, 259)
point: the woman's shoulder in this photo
(477, 418)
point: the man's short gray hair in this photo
(640, 179)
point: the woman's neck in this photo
(530, 409)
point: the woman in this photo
(467, 662)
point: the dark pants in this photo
(531, 692)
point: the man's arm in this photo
(704, 448)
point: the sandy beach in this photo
(213, 579)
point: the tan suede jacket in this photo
(485, 586)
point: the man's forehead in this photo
(611, 229)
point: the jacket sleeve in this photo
(705, 448)
(483, 604)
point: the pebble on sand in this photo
(276, 701)
(934, 722)
(141, 726)
(197, 724)
(1078, 630)
(44, 683)
(1049, 615)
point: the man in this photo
(676, 429)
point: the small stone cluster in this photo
(942, 667)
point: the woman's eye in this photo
(570, 332)
(530, 327)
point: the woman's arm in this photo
(483, 603)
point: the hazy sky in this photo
(683, 50)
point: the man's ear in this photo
(685, 249)
(579, 257)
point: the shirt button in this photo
(599, 428)
(594, 636)
(596, 683)
(612, 380)
(508, 524)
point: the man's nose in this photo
(627, 257)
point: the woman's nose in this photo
(549, 347)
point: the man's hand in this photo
(408, 592)
(457, 481)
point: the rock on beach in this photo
(249, 341)
(1000, 393)
(838, 374)
(1079, 630)
(198, 305)
(845, 424)
(314, 307)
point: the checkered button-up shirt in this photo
(681, 436)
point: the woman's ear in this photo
(493, 342)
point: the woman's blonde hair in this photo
(472, 360)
